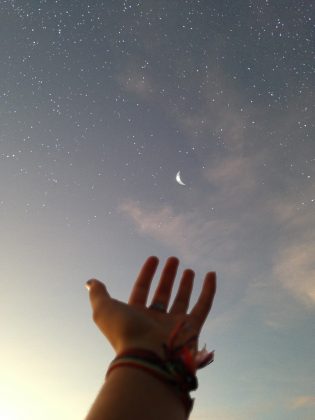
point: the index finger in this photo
(140, 290)
(202, 308)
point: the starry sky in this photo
(101, 104)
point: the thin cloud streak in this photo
(303, 401)
(295, 270)
(194, 237)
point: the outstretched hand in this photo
(135, 325)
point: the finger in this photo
(106, 311)
(99, 298)
(181, 301)
(142, 285)
(164, 288)
(202, 308)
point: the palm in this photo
(144, 326)
(134, 324)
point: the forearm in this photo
(129, 393)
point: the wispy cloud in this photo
(303, 401)
(295, 269)
(234, 177)
(294, 262)
(215, 111)
(189, 233)
(133, 82)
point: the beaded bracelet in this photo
(178, 369)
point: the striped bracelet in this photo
(149, 362)
(177, 369)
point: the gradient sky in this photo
(102, 103)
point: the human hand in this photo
(135, 325)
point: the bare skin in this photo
(134, 325)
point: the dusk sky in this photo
(102, 103)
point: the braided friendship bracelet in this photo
(178, 369)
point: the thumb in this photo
(99, 297)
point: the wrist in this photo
(171, 372)
(147, 345)
(146, 393)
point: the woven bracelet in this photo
(177, 369)
(136, 358)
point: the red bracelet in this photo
(185, 398)
(178, 369)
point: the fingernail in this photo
(88, 284)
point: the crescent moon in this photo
(178, 179)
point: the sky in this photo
(101, 104)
